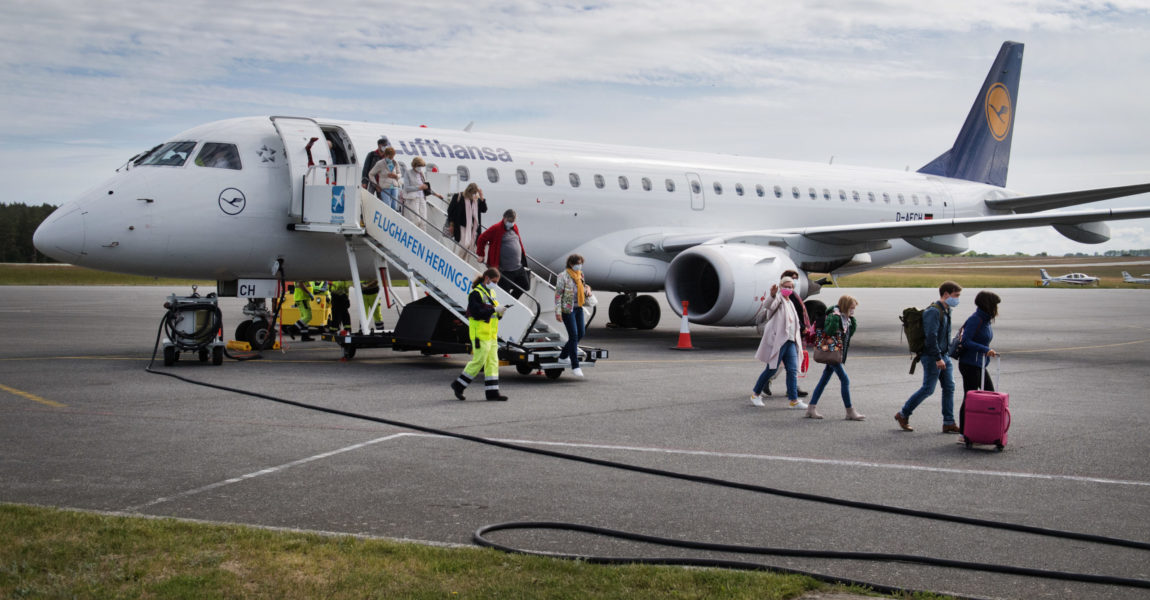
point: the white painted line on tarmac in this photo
(260, 473)
(833, 462)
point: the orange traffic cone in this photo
(684, 333)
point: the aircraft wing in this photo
(935, 235)
(1031, 204)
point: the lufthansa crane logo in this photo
(998, 111)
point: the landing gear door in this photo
(296, 133)
(695, 186)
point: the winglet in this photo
(981, 152)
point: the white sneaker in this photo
(798, 404)
(757, 400)
(577, 372)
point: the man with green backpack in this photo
(936, 366)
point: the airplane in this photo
(1128, 278)
(1071, 278)
(711, 229)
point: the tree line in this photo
(17, 224)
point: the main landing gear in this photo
(632, 310)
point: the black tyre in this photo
(260, 337)
(969, 444)
(203, 355)
(617, 312)
(243, 330)
(645, 312)
(523, 368)
(218, 355)
(349, 352)
(169, 355)
(553, 373)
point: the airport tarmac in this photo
(82, 425)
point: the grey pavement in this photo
(82, 425)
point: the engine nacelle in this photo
(724, 283)
(1086, 233)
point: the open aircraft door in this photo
(695, 186)
(296, 133)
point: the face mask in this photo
(491, 285)
(509, 224)
(578, 267)
(952, 302)
(787, 292)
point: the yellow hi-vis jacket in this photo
(479, 307)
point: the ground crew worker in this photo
(483, 314)
(340, 305)
(303, 297)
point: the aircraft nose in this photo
(61, 235)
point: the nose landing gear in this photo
(632, 310)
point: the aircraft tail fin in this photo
(981, 152)
(1045, 277)
(1126, 276)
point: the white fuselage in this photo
(189, 221)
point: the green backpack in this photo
(912, 328)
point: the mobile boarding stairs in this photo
(439, 279)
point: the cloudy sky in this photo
(881, 83)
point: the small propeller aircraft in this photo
(1128, 278)
(1071, 278)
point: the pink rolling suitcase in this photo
(987, 415)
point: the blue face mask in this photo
(578, 267)
(952, 302)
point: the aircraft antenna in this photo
(469, 125)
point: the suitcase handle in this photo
(1007, 421)
(997, 373)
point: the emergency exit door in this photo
(695, 186)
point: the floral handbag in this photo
(828, 348)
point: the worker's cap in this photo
(418, 162)
(383, 141)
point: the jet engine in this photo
(724, 284)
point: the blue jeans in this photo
(573, 321)
(931, 375)
(391, 197)
(789, 359)
(844, 384)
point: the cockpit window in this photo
(171, 154)
(219, 156)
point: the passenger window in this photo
(843, 195)
(548, 179)
(670, 185)
(172, 154)
(464, 173)
(646, 184)
(826, 194)
(795, 192)
(739, 189)
(928, 202)
(623, 183)
(778, 192)
(599, 182)
(718, 188)
(574, 178)
(855, 195)
(696, 187)
(760, 191)
(885, 198)
(870, 196)
(812, 193)
(219, 156)
(521, 176)
(493, 175)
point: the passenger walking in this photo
(976, 350)
(840, 322)
(373, 157)
(503, 247)
(571, 295)
(384, 177)
(807, 322)
(936, 367)
(782, 339)
(464, 216)
(483, 314)
(415, 192)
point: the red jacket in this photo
(494, 236)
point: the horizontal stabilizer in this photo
(1031, 204)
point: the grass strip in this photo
(53, 553)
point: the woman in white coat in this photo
(781, 343)
(415, 191)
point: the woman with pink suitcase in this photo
(984, 415)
